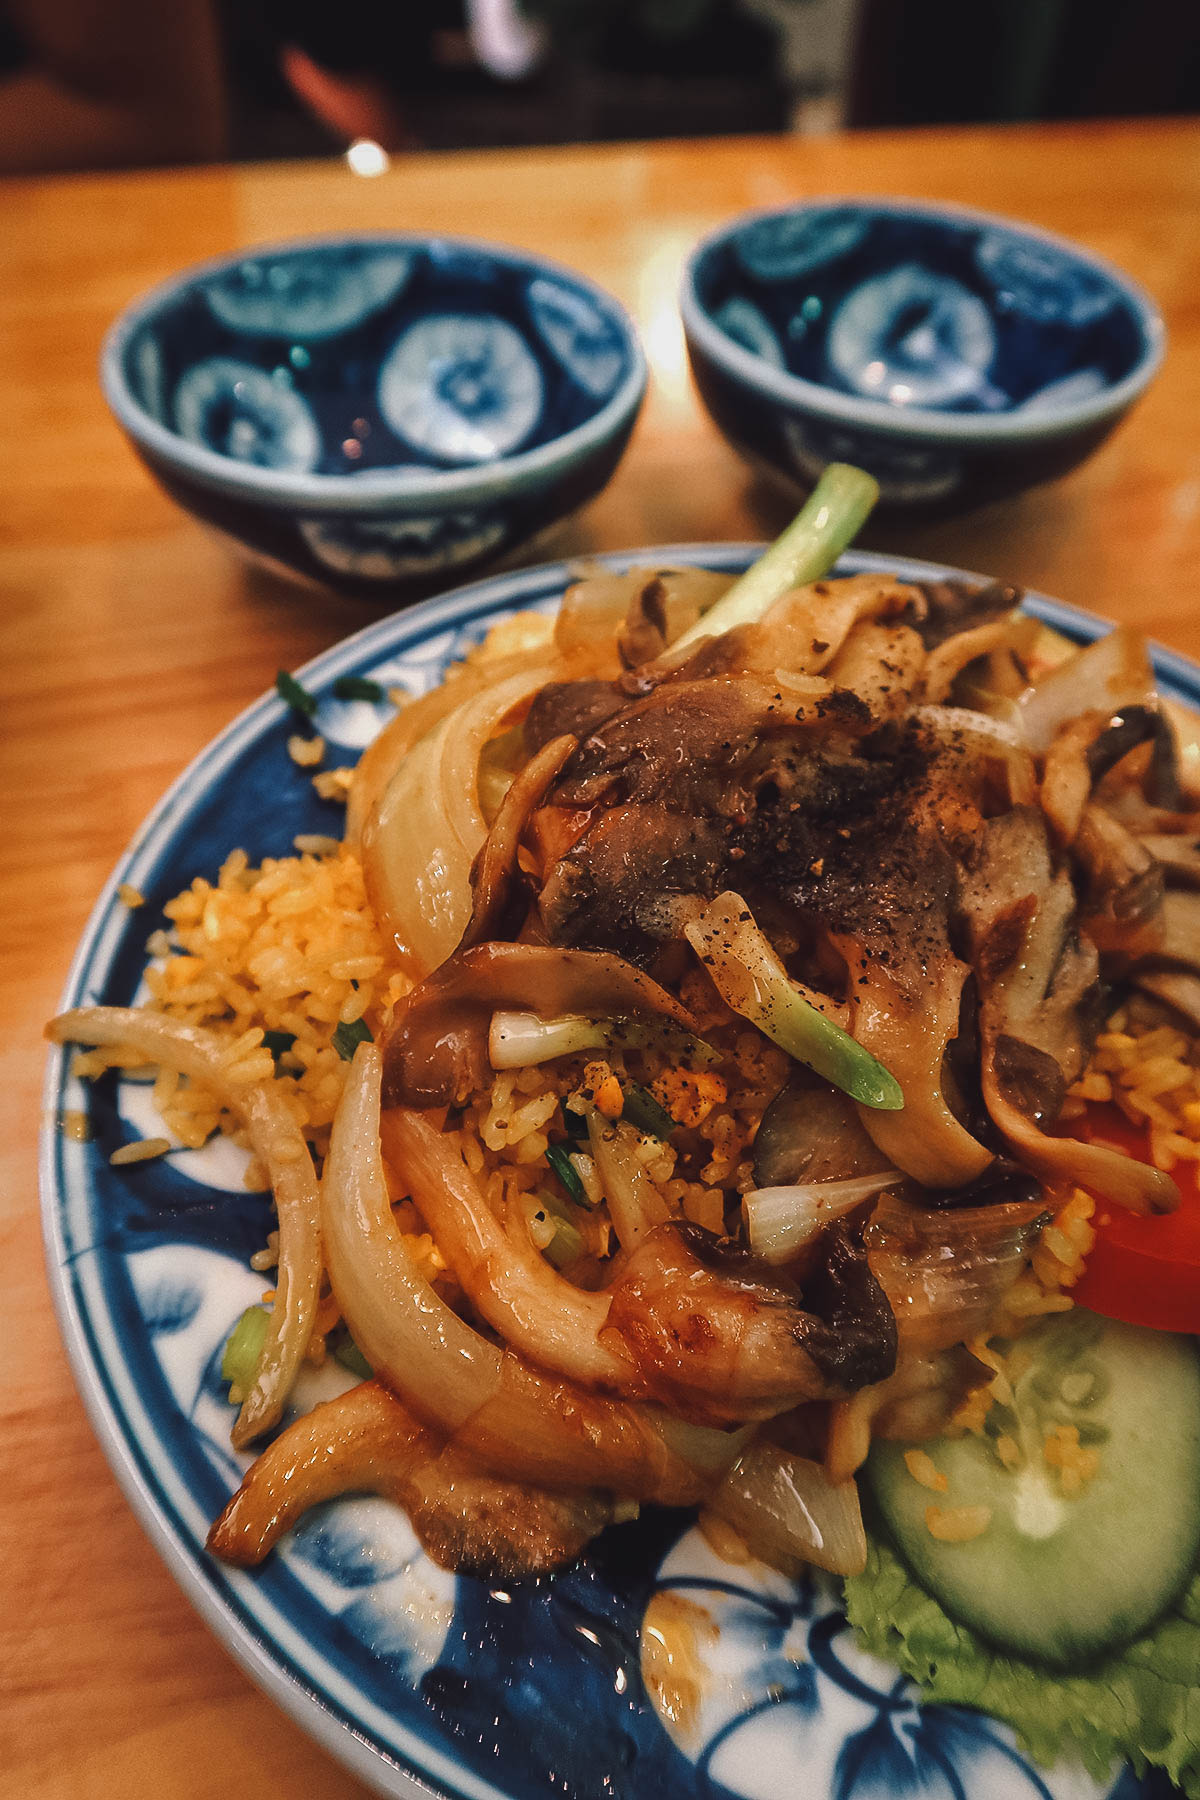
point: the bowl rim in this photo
(924, 423)
(374, 490)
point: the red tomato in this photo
(1145, 1270)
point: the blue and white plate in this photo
(552, 1689)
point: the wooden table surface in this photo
(130, 638)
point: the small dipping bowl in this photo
(376, 411)
(955, 355)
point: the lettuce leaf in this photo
(1140, 1703)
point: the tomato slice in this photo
(1145, 1270)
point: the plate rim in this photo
(236, 1628)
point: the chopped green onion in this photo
(553, 1230)
(356, 687)
(352, 1358)
(239, 1361)
(520, 1040)
(828, 521)
(566, 1246)
(644, 1113)
(347, 1038)
(559, 1158)
(295, 696)
(751, 979)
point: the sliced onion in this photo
(278, 1143)
(988, 737)
(494, 1407)
(947, 662)
(363, 1442)
(423, 835)
(789, 1514)
(511, 1285)
(635, 1205)
(1112, 673)
(946, 1272)
(783, 1220)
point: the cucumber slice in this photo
(1058, 1576)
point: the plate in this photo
(650, 1668)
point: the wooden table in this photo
(130, 638)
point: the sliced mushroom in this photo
(1040, 1007)
(811, 1132)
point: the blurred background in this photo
(112, 83)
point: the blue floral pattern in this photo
(229, 406)
(461, 386)
(783, 1685)
(548, 1689)
(374, 412)
(934, 312)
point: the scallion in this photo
(348, 1037)
(239, 1360)
(351, 1357)
(829, 520)
(643, 1112)
(559, 1158)
(751, 979)
(356, 687)
(293, 694)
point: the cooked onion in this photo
(492, 1405)
(789, 1514)
(423, 835)
(783, 1220)
(511, 1285)
(635, 1205)
(363, 1442)
(278, 1143)
(946, 1272)
(1111, 673)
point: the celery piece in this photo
(239, 1360)
(829, 520)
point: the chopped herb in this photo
(645, 1114)
(559, 1158)
(347, 1038)
(295, 696)
(356, 687)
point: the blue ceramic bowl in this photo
(955, 355)
(375, 411)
